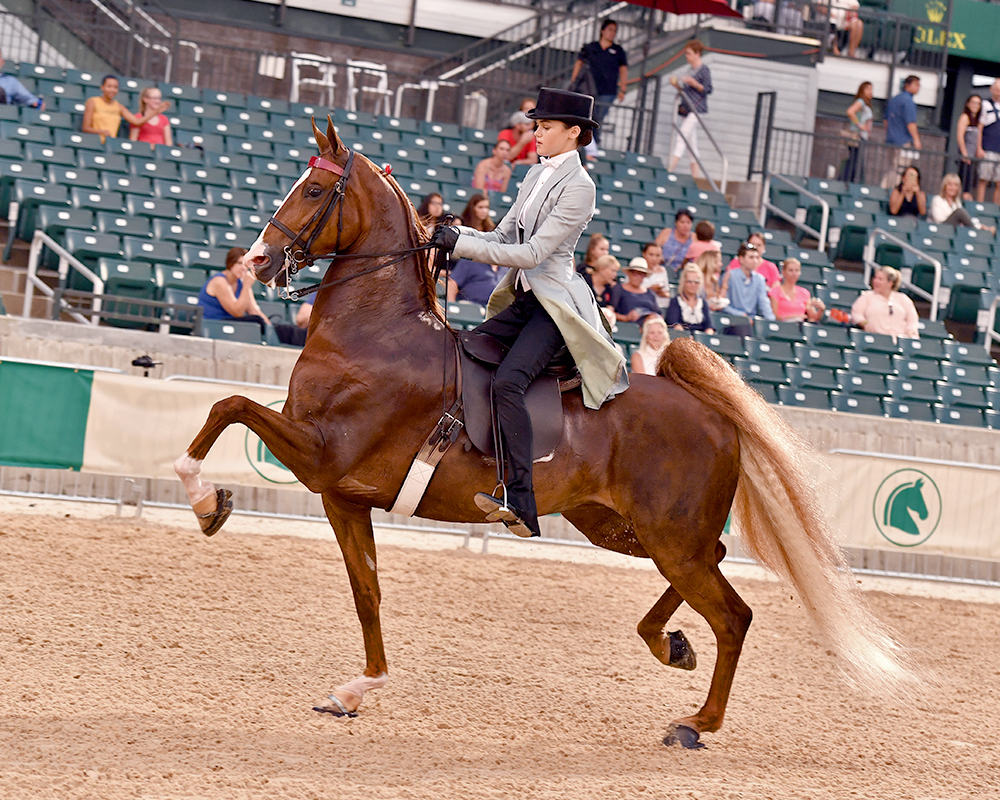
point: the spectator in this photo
(476, 214)
(521, 138)
(13, 93)
(473, 281)
(657, 280)
(846, 26)
(901, 128)
(766, 268)
(156, 130)
(493, 172)
(654, 341)
(632, 302)
(791, 302)
(908, 199)
(748, 289)
(103, 114)
(608, 65)
(676, 241)
(597, 246)
(689, 309)
(946, 207)
(989, 145)
(431, 209)
(884, 309)
(295, 334)
(714, 284)
(229, 294)
(603, 280)
(704, 239)
(967, 135)
(694, 89)
(860, 114)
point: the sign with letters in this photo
(973, 26)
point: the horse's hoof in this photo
(338, 709)
(681, 653)
(684, 736)
(213, 520)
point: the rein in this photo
(297, 253)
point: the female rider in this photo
(542, 303)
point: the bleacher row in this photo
(970, 258)
(153, 223)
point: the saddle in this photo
(480, 355)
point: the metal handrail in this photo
(766, 205)
(66, 260)
(869, 258)
(722, 156)
(991, 318)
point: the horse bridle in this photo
(297, 251)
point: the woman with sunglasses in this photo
(884, 309)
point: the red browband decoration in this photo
(322, 163)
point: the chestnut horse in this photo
(652, 474)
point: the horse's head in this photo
(319, 216)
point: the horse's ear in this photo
(331, 135)
(321, 141)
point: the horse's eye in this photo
(314, 191)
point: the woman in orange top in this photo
(103, 114)
(157, 129)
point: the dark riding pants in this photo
(533, 338)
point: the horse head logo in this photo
(906, 498)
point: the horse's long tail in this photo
(780, 522)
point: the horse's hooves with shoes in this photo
(338, 709)
(684, 736)
(212, 520)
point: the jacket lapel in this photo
(565, 169)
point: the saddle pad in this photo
(544, 407)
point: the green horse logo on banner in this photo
(907, 507)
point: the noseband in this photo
(297, 251)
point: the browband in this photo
(322, 163)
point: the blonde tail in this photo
(781, 523)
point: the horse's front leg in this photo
(353, 528)
(294, 444)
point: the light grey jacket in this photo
(553, 225)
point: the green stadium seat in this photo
(757, 372)
(90, 246)
(206, 215)
(465, 315)
(179, 155)
(177, 190)
(225, 98)
(898, 226)
(861, 383)
(180, 91)
(953, 394)
(104, 162)
(249, 218)
(965, 374)
(123, 224)
(95, 199)
(932, 329)
(10, 129)
(770, 350)
(11, 171)
(844, 279)
(27, 69)
(29, 195)
(54, 220)
(229, 198)
(915, 411)
(874, 342)
(728, 347)
(856, 404)
(778, 331)
(859, 361)
(957, 415)
(269, 106)
(862, 206)
(199, 108)
(867, 192)
(226, 237)
(280, 169)
(73, 176)
(131, 150)
(207, 142)
(126, 184)
(907, 388)
(127, 279)
(231, 331)
(809, 356)
(249, 147)
(170, 230)
(962, 353)
(811, 377)
(135, 248)
(50, 154)
(201, 257)
(188, 302)
(172, 276)
(146, 206)
(922, 368)
(165, 170)
(922, 348)
(204, 175)
(229, 161)
(723, 321)
(804, 398)
(768, 391)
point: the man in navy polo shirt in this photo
(901, 129)
(609, 66)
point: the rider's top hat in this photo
(569, 107)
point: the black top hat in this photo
(569, 107)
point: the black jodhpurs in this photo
(533, 338)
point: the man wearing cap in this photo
(542, 303)
(521, 138)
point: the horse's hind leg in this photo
(353, 527)
(671, 648)
(291, 442)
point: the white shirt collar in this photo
(558, 160)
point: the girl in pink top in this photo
(156, 130)
(791, 302)
(703, 241)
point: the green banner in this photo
(974, 26)
(43, 415)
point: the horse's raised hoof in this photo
(684, 736)
(338, 709)
(681, 653)
(213, 520)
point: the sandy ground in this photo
(140, 660)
